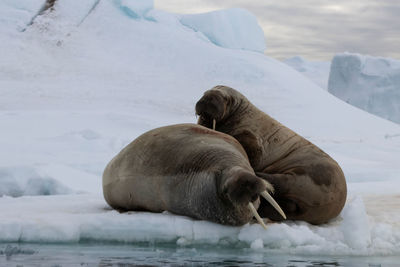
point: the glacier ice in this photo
(317, 71)
(369, 83)
(231, 28)
(135, 9)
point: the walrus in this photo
(186, 169)
(309, 185)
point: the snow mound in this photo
(317, 71)
(62, 19)
(369, 83)
(79, 218)
(25, 181)
(231, 28)
(17, 14)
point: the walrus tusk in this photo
(255, 214)
(214, 123)
(272, 201)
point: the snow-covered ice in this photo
(135, 9)
(370, 83)
(75, 89)
(317, 71)
(74, 218)
(19, 181)
(230, 28)
(17, 14)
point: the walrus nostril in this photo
(254, 197)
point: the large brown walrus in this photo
(189, 170)
(309, 185)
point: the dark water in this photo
(163, 255)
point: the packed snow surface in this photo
(230, 28)
(85, 79)
(15, 15)
(74, 218)
(317, 71)
(369, 83)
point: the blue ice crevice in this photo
(135, 9)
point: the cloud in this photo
(313, 28)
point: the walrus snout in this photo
(212, 106)
(244, 188)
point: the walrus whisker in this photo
(214, 123)
(272, 201)
(255, 214)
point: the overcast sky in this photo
(315, 29)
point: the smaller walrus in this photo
(189, 170)
(309, 185)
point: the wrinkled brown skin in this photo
(185, 169)
(309, 185)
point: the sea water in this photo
(89, 254)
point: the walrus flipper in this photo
(293, 194)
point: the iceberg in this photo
(369, 83)
(230, 28)
(317, 71)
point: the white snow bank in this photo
(25, 181)
(230, 28)
(369, 83)
(317, 71)
(86, 217)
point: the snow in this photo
(135, 9)
(76, 88)
(19, 180)
(85, 217)
(230, 28)
(369, 83)
(17, 14)
(317, 71)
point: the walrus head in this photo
(244, 189)
(216, 105)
